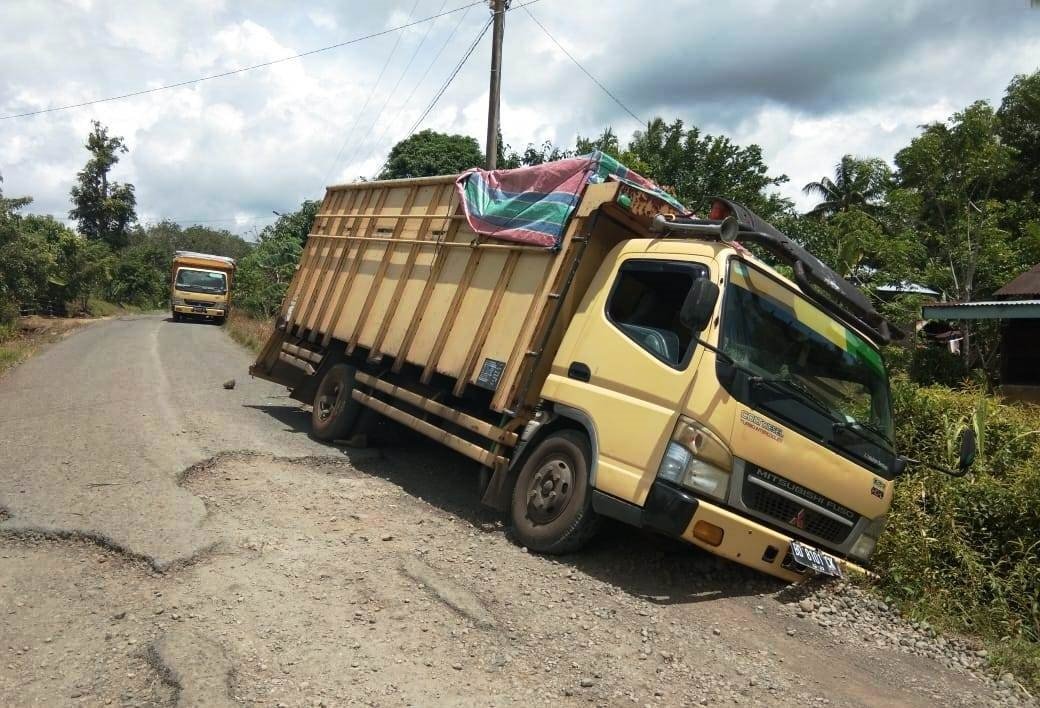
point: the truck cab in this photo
(201, 286)
(784, 434)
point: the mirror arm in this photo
(718, 352)
(952, 473)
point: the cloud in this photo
(806, 81)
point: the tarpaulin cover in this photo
(532, 204)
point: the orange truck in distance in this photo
(201, 286)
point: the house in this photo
(1017, 306)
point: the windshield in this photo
(201, 281)
(792, 345)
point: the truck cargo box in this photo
(393, 271)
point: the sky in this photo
(808, 81)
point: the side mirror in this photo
(968, 451)
(899, 465)
(969, 448)
(699, 305)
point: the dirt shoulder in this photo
(144, 562)
(380, 582)
(28, 334)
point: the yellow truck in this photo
(201, 286)
(639, 363)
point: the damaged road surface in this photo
(164, 541)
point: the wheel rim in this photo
(327, 402)
(550, 490)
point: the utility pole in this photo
(498, 7)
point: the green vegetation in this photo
(46, 265)
(431, 153)
(965, 553)
(248, 331)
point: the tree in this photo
(104, 210)
(857, 184)
(264, 275)
(140, 274)
(953, 169)
(701, 167)
(26, 260)
(429, 153)
(533, 155)
(296, 224)
(202, 239)
(607, 142)
(1019, 128)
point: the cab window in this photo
(644, 305)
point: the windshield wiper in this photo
(798, 387)
(858, 428)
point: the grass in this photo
(103, 308)
(248, 331)
(22, 338)
(964, 554)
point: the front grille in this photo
(793, 515)
(200, 303)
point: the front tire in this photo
(335, 412)
(551, 511)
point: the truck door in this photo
(627, 363)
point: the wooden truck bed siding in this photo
(393, 269)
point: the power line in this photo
(451, 77)
(442, 89)
(350, 133)
(429, 67)
(578, 63)
(243, 69)
(210, 221)
(360, 143)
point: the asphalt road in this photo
(165, 541)
(96, 430)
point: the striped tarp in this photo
(532, 204)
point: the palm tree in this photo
(857, 184)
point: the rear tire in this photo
(551, 511)
(335, 411)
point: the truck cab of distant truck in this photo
(201, 286)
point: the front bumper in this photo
(675, 512)
(189, 310)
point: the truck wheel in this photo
(335, 412)
(177, 317)
(552, 500)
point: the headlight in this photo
(863, 548)
(176, 301)
(697, 460)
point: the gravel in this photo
(855, 614)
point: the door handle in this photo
(579, 371)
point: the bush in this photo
(8, 312)
(965, 553)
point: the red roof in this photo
(1026, 285)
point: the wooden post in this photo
(498, 7)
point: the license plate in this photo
(814, 559)
(199, 309)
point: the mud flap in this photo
(498, 492)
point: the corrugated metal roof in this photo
(983, 303)
(908, 288)
(982, 310)
(1025, 285)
